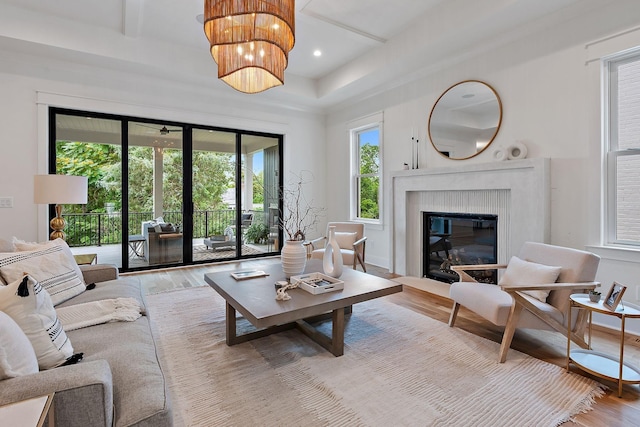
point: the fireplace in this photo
(516, 191)
(459, 239)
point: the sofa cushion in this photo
(521, 272)
(29, 305)
(145, 400)
(17, 356)
(51, 264)
(124, 287)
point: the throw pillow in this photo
(52, 264)
(521, 272)
(29, 305)
(17, 356)
(345, 240)
(7, 246)
(21, 245)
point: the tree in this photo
(92, 161)
(370, 185)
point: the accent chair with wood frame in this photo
(513, 303)
(351, 239)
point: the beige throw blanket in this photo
(97, 312)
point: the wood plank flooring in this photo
(548, 346)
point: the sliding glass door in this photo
(166, 193)
(155, 194)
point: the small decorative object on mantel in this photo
(517, 151)
(500, 155)
(332, 259)
(299, 217)
(415, 150)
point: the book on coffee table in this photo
(248, 274)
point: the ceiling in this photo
(366, 44)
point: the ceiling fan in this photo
(163, 130)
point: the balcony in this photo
(101, 233)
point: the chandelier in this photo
(250, 41)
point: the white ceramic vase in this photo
(332, 259)
(293, 257)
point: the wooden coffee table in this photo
(255, 300)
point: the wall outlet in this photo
(6, 202)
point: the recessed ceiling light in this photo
(468, 95)
(317, 52)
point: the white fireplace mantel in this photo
(518, 191)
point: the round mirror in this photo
(465, 120)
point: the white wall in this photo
(28, 85)
(550, 102)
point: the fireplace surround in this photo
(516, 191)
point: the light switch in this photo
(6, 202)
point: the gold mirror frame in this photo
(465, 120)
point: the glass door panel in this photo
(92, 147)
(260, 194)
(155, 202)
(215, 231)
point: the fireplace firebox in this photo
(458, 239)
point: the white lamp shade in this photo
(60, 189)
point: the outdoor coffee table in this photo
(255, 300)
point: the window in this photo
(366, 185)
(623, 151)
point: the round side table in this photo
(597, 363)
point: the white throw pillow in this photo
(21, 245)
(17, 357)
(52, 264)
(7, 245)
(520, 272)
(345, 240)
(29, 305)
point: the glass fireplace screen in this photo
(459, 239)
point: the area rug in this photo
(202, 253)
(399, 368)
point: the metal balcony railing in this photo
(96, 229)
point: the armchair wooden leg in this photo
(360, 260)
(454, 313)
(509, 330)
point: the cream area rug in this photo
(399, 368)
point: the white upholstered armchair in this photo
(532, 293)
(351, 239)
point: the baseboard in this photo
(428, 285)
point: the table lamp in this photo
(59, 190)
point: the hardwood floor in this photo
(548, 346)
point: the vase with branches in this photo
(299, 217)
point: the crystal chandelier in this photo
(250, 41)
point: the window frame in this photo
(611, 150)
(354, 194)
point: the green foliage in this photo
(257, 233)
(369, 161)
(92, 161)
(258, 188)
(369, 186)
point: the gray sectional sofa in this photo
(119, 382)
